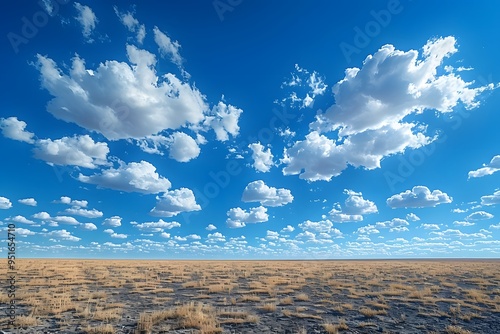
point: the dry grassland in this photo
(106, 296)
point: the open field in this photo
(110, 296)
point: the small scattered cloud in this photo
(418, 197)
(487, 169)
(28, 201)
(173, 202)
(132, 24)
(412, 217)
(79, 151)
(114, 221)
(5, 203)
(88, 227)
(210, 227)
(258, 191)
(63, 235)
(262, 158)
(479, 215)
(21, 219)
(491, 199)
(237, 217)
(132, 177)
(13, 128)
(167, 47)
(355, 206)
(87, 20)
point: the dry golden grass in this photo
(87, 292)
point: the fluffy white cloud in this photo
(412, 217)
(157, 227)
(118, 235)
(41, 215)
(394, 225)
(23, 232)
(418, 197)
(370, 105)
(321, 158)
(63, 235)
(74, 203)
(369, 229)
(323, 226)
(5, 203)
(132, 177)
(479, 215)
(28, 201)
(237, 217)
(173, 202)
(355, 206)
(224, 121)
(77, 211)
(491, 199)
(132, 24)
(487, 169)
(88, 227)
(15, 129)
(262, 158)
(463, 223)
(216, 237)
(258, 191)
(430, 227)
(393, 84)
(210, 227)
(65, 220)
(87, 19)
(287, 229)
(450, 233)
(77, 151)
(121, 100)
(21, 219)
(167, 47)
(183, 148)
(114, 221)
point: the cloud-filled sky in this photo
(250, 130)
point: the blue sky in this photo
(250, 130)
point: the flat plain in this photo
(145, 296)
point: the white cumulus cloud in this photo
(491, 199)
(258, 191)
(15, 129)
(487, 169)
(173, 202)
(237, 217)
(418, 197)
(262, 158)
(366, 123)
(5, 203)
(75, 151)
(479, 215)
(114, 221)
(132, 177)
(28, 201)
(355, 206)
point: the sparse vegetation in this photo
(211, 296)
